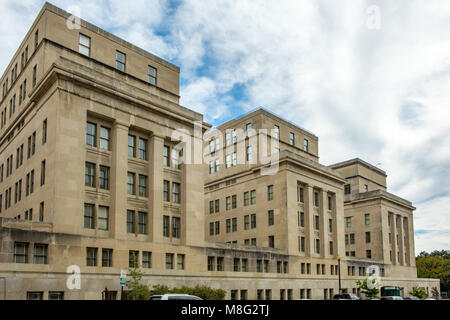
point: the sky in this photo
(370, 78)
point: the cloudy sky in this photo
(370, 78)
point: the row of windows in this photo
(231, 201)
(39, 254)
(29, 188)
(350, 238)
(302, 245)
(176, 191)
(348, 220)
(84, 47)
(24, 61)
(316, 200)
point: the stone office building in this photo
(90, 177)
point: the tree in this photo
(369, 287)
(138, 291)
(435, 265)
(418, 292)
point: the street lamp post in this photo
(339, 273)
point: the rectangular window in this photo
(180, 261)
(347, 189)
(302, 244)
(348, 222)
(142, 186)
(142, 222)
(301, 219)
(166, 226)
(107, 255)
(330, 203)
(234, 224)
(142, 149)
(276, 130)
(248, 128)
(306, 145)
(20, 252)
(133, 259)
(44, 131)
(34, 76)
(175, 192)
(84, 45)
(166, 159)
(246, 222)
(219, 263)
(317, 246)
(253, 221)
(104, 178)
(166, 191)
(211, 263)
(103, 218)
(130, 221)
(292, 139)
(146, 259)
(42, 172)
(271, 242)
(330, 225)
(36, 39)
(211, 228)
(217, 227)
(104, 138)
(331, 248)
(234, 202)
(352, 238)
(253, 197)
(91, 134)
(249, 153)
(56, 295)
(152, 75)
(120, 61)
(234, 159)
(316, 199)
(369, 254)
(367, 219)
(41, 211)
(131, 146)
(367, 237)
(217, 205)
(271, 218)
(169, 261)
(89, 216)
(131, 183)
(91, 257)
(246, 198)
(228, 203)
(228, 161)
(176, 227)
(89, 175)
(301, 195)
(270, 193)
(228, 225)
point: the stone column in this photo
(393, 229)
(118, 213)
(401, 240)
(192, 203)
(155, 181)
(323, 223)
(411, 247)
(309, 219)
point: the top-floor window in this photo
(347, 189)
(131, 146)
(36, 39)
(120, 61)
(91, 129)
(306, 145)
(248, 127)
(142, 149)
(292, 139)
(104, 138)
(84, 45)
(152, 75)
(276, 130)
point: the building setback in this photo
(90, 177)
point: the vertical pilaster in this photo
(412, 255)
(323, 220)
(401, 240)
(156, 178)
(394, 237)
(309, 220)
(192, 203)
(118, 180)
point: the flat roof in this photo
(350, 162)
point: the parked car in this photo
(174, 296)
(391, 298)
(346, 296)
